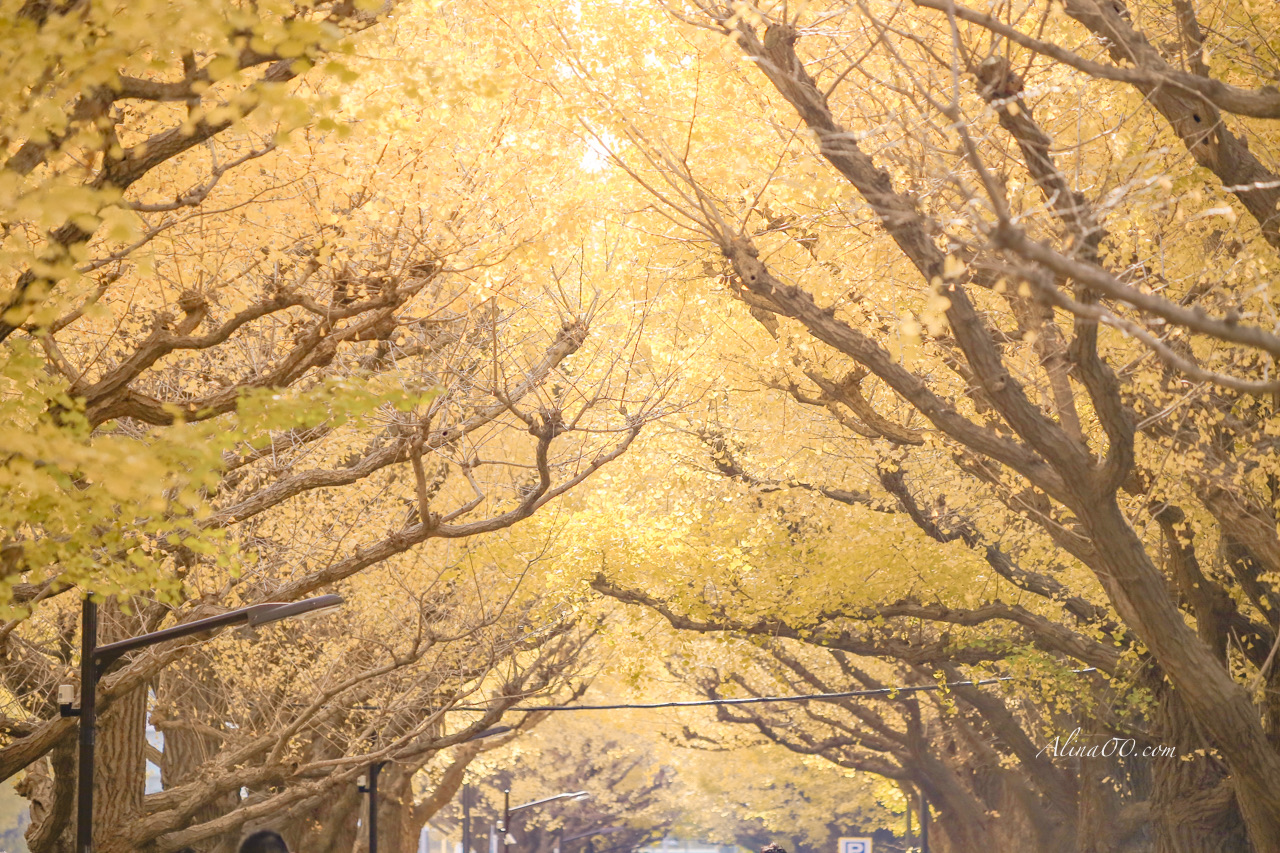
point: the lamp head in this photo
(262, 614)
(489, 732)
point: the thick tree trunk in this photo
(397, 830)
(337, 825)
(1217, 704)
(120, 760)
(959, 814)
(1193, 808)
(1103, 822)
(402, 818)
(1022, 818)
(50, 787)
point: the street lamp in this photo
(508, 810)
(95, 659)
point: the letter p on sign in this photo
(855, 845)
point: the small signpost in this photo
(855, 845)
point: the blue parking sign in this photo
(855, 845)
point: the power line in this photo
(891, 692)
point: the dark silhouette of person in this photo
(264, 841)
(773, 848)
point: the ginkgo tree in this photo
(346, 325)
(1022, 256)
(967, 310)
(666, 771)
(826, 598)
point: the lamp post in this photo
(95, 659)
(369, 785)
(508, 810)
(506, 819)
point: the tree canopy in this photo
(917, 350)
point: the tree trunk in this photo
(338, 825)
(1104, 824)
(50, 786)
(1193, 807)
(397, 830)
(120, 759)
(959, 814)
(1213, 699)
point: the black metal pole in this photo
(374, 769)
(924, 822)
(88, 719)
(506, 818)
(466, 819)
